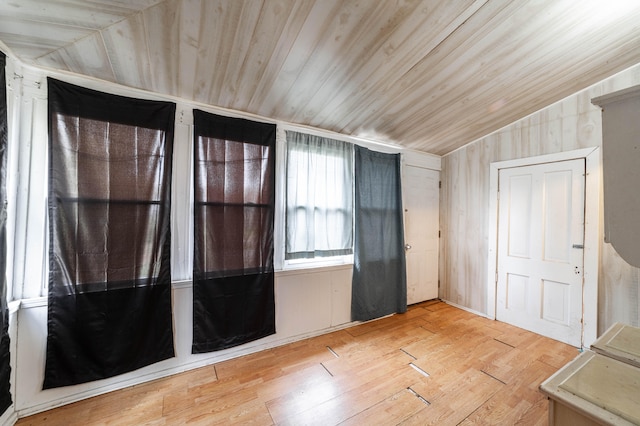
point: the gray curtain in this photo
(379, 284)
(319, 197)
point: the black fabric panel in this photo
(109, 308)
(5, 360)
(232, 311)
(232, 240)
(69, 99)
(233, 287)
(379, 285)
(102, 334)
(5, 356)
(233, 129)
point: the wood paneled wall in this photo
(571, 124)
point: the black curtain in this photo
(233, 287)
(379, 285)
(109, 306)
(5, 357)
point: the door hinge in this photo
(496, 276)
(439, 234)
(440, 184)
(438, 283)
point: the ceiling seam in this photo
(93, 31)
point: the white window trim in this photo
(318, 262)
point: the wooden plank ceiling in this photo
(429, 75)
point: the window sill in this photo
(309, 268)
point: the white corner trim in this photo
(620, 95)
(592, 232)
(9, 417)
(34, 302)
(14, 306)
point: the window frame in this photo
(284, 264)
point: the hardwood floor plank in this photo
(397, 407)
(496, 412)
(356, 400)
(295, 397)
(479, 372)
(453, 396)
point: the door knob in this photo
(407, 247)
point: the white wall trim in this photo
(464, 308)
(306, 270)
(34, 302)
(593, 187)
(617, 96)
(592, 220)
(9, 417)
(214, 358)
(14, 306)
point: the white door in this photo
(421, 224)
(540, 249)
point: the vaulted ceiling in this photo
(429, 75)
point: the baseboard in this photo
(166, 372)
(464, 308)
(9, 417)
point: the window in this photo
(109, 256)
(319, 197)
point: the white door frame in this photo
(593, 185)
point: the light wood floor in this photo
(476, 371)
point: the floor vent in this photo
(419, 370)
(326, 369)
(417, 395)
(408, 353)
(333, 352)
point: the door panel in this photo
(421, 222)
(557, 220)
(517, 288)
(540, 255)
(556, 302)
(520, 216)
